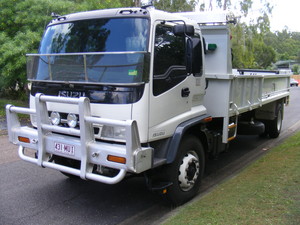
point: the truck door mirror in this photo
(183, 30)
(186, 31)
(189, 55)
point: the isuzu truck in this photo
(138, 91)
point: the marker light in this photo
(55, 118)
(23, 139)
(208, 119)
(72, 120)
(116, 159)
(212, 47)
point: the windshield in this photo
(93, 51)
(97, 35)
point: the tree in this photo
(22, 24)
(175, 5)
(296, 69)
(285, 43)
(133, 3)
(245, 6)
(242, 47)
(21, 27)
(264, 55)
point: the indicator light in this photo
(116, 159)
(23, 139)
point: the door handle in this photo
(185, 92)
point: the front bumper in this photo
(80, 144)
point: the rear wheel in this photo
(186, 171)
(274, 126)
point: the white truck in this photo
(138, 91)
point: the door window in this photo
(169, 59)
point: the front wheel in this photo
(186, 171)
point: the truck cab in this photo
(123, 60)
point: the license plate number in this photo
(64, 148)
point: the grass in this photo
(4, 102)
(267, 192)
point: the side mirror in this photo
(183, 29)
(189, 56)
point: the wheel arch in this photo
(272, 115)
(196, 127)
(268, 111)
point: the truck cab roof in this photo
(103, 13)
(149, 12)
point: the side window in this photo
(169, 59)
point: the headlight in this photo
(113, 133)
(72, 120)
(55, 118)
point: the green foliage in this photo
(249, 48)
(175, 5)
(241, 47)
(13, 62)
(264, 55)
(285, 43)
(296, 69)
(18, 102)
(245, 6)
(22, 23)
(130, 3)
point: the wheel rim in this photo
(188, 171)
(279, 120)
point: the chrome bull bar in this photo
(87, 149)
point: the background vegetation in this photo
(22, 23)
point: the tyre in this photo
(274, 126)
(186, 172)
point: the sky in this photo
(285, 13)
